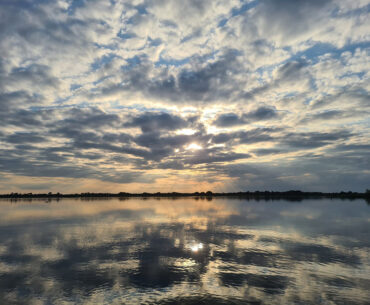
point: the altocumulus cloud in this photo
(164, 95)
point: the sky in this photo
(190, 95)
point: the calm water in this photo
(184, 251)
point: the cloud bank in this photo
(168, 96)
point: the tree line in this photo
(265, 195)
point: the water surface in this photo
(184, 251)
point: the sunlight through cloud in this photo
(193, 146)
(186, 131)
(124, 93)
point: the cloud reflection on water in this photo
(184, 251)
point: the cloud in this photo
(200, 81)
(314, 139)
(205, 157)
(36, 75)
(89, 117)
(232, 119)
(118, 91)
(15, 99)
(246, 137)
(291, 18)
(149, 122)
(323, 116)
(291, 77)
(24, 138)
(290, 71)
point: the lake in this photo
(184, 251)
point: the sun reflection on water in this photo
(182, 251)
(196, 247)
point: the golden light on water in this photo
(196, 247)
(190, 248)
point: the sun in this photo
(186, 131)
(194, 146)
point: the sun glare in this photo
(186, 131)
(196, 247)
(193, 146)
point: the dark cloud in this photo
(301, 141)
(19, 138)
(308, 140)
(175, 165)
(358, 96)
(82, 130)
(323, 116)
(289, 17)
(54, 168)
(12, 100)
(289, 74)
(232, 119)
(31, 23)
(155, 140)
(223, 138)
(88, 135)
(201, 82)
(151, 121)
(353, 147)
(120, 138)
(21, 118)
(262, 113)
(229, 119)
(37, 75)
(334, 170)
(255, 136)
(291, 71)
(206, 157)
(88, 117)
(246, 137)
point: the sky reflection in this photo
(185, 251)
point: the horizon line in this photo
(266, 194)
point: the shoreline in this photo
(266, 195)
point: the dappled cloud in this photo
(184, 96)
